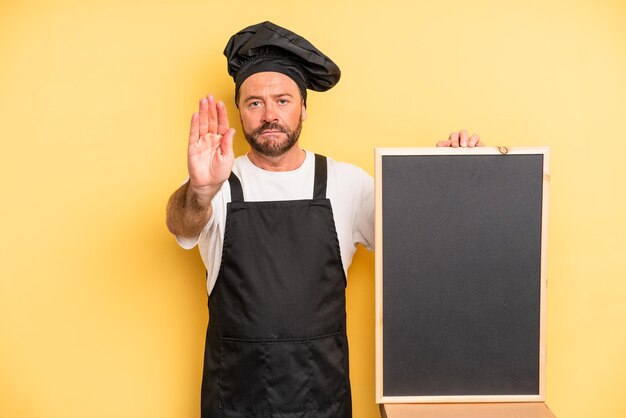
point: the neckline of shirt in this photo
(300, 171)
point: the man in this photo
(277, 229)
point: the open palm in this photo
(210, 153)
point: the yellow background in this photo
(102, 315)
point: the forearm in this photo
(189, 210)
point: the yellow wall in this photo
(102, 315)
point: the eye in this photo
(254, 104)
(283, 101)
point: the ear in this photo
(303, 113)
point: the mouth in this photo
(271, 132)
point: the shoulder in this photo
(346, 171)
(346, 176)
(348, 183)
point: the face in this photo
(271, 111)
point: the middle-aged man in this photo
(277, 229)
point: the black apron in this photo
(276, 343)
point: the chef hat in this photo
(269, 47)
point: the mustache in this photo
(270, 126)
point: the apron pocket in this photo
(242, 366)
(330, 368)
(282, 376)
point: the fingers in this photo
(204, 116)
(208, 115)
(194, 129)
(454, 139)
(461, 139)
(222, 118)
(226, 143)
(212, 114)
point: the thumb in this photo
(226, 144)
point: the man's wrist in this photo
(200, 196)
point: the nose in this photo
(270, 114)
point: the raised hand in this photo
(210, 159)
(210, 153)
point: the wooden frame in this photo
(382, 152)
(467, 410)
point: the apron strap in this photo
(236, 192)
(321, 176)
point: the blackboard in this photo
(460, 253)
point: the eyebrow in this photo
(274, 96)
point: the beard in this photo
(272, 145)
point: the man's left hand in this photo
(461, 139)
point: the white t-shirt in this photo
(349, 188)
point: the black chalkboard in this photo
(461, 274)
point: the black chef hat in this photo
(269, 47)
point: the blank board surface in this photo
(461, 269)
